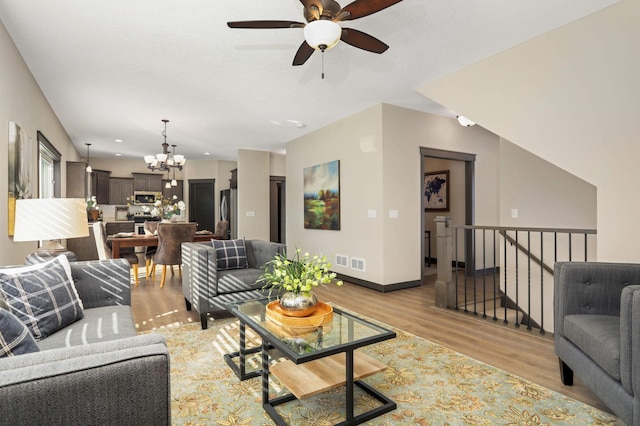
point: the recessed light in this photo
(118, 155)
(207, 153)
(119, 140)
(296, 123)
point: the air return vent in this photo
(357, 264)
(342, 260)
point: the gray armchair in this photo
(597, 331)
(208, 289)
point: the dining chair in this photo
(150, 228)
(104, 249)
(222, 230)
(170, 239)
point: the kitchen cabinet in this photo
(147, 182)
(119, 190)
(114, 227)
(76, 179)
(174, 190)
(100, 185)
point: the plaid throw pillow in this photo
(15, 338)
(231, 254)
(42, 296)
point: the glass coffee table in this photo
(318, 358)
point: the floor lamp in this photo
(50, 220)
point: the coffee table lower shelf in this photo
(321, 375)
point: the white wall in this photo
(379, 153)
(22, 101)
(571, 97)
(253, 194)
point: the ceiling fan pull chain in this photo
(322, 55)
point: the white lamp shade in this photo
(161, 157)
(89, 169)
(174, 182)
(322, 32)
(179, 159)
(50, 219)
(149, 159)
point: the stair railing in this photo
(510, 265)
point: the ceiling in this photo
(114, 69)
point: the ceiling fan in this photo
(322, 31)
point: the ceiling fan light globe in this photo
(322, 34)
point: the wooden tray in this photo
(322, 315)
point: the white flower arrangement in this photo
(165, 208)
(92, 203)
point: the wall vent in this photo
(342, 260)
(357, 264)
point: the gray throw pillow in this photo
(230, 254)
(15, 338)
(42, 296)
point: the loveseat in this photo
(597, 331)
(95, 370)
(214, 277)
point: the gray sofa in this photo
(207, 289)
(597, 331)
(94, 371)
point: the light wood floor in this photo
(413, 310)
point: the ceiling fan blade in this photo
(304, 52)
(362, 40)
(360, 8)
(265, 24)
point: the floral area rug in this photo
(431, 385)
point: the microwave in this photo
(146, 198)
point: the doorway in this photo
(277, 209)
(202, 203)
(466, 162)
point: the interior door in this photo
(202, 203)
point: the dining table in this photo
(119, 242)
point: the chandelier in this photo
(162, 161)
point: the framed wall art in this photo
(19, 172)
(322, 196)
(436, 191)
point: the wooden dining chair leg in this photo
(152, 270)
(164, 275)
(147, 263)
(135, 273)
(180, 271)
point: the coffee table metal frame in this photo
(271, 341)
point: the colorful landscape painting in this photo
(322, 196)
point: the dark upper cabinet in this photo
(100, 185)
(76, 179)
(147, 182)
(119, 190)
(174, 190)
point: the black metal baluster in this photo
(475, 291)
(570, 241)
(517, 324)
(528, 281)
(484, 275)
(541, 283)
(495, 294)
(504, 320)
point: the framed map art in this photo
(436, 191)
